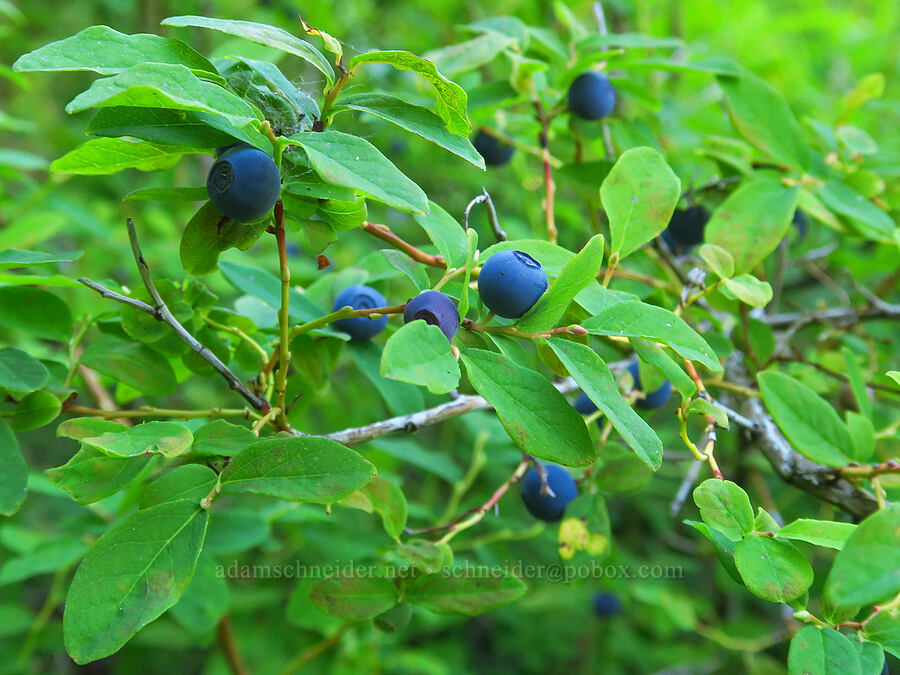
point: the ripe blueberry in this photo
(686, 228)
(492, 149)
(657, 399)
(434, 308)
(510, 283)
(592, 96)
(606, 605)
(244, 183)
(360, 328)
(799, 221)
(545, 507)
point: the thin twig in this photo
(230, 648)
(384, 233)
(161, 312)
(549, 184)
(485, 198)
(315, 650)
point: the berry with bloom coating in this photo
(656, 399)
(592, 96)
(244, 183)
(510, 283)
(686, 228)
(606, 604)
(494, 151)
(434, 308)
(546, 507)
(360, 328)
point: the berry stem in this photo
(549, 184)
(384, 233)
(148, 411)
(343, 313)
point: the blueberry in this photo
(435, 309)
(606, 605)
(510, 283)
(584, 405)
(592, 96)
(244, 183)
(657, 399)
(545, 507)
(686, 228)
(492, 149)
(360, 328)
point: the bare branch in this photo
(161, 312)
(485, 198)
(842, 315)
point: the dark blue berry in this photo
(606, 605)
(244, 183)
(360, 328)
(510, 283)
(545, 507)
(584, 405)
(592, 96)
(657, 399)
(434, 308)
(799, 221)
(686, 228)
(492, 149)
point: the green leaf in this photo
(469, 55)
(168, 439)
(446, 233)
(20, 371)
(354, 598)
(894, 375)
(110, 155)
(13, 257)
(884, 628)
(35, 311)
(86, 427)
(343, 215)
(467, 591)
(723, 545)
(191, 482)
(221, 439)
(827, 533)
(416, 120)
(164, 194)
(131, 363)
(35, 409)
(867, 570)
(639, 196)
(857, 384)
(266, 286)
(656, 355)
(263, 35)
(725, 507)
(862, 433)
(302, 613)
(133, 573)
(353, 162)
(205, 601)
(48, 556)
(762, 116)
(306, 469)
(573, 278)
(719, 260)
(771, 568)
(451, 98)
(822, 651)
(596, 380)
(420, 354)
(806, 419)
(637, 319)
(14, 472)
(173, 127)
(471, 250)
(622, 470)
(423, 554)
(535, 415)
(748, 289)
(752, 221)
(384, 498)
(209, 233)
(401, 398)
(408, 267)
(107, 51)
(91, 475)
(701, 406)
(870, 221)
(159, 85)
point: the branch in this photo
(423, 418)
(160, 312)
(384, 233)
(842, 315)
(549, 184)
(230, 648)
(820, 481)
(485, 198)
